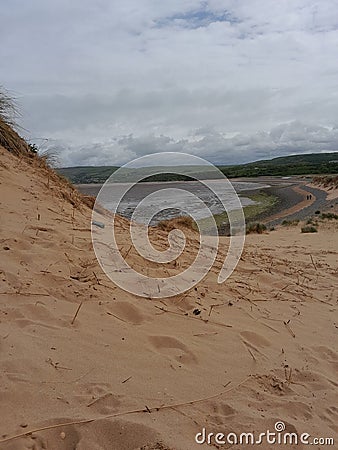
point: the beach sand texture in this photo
(130, 373)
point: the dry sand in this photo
(331, 191)
(266, 350)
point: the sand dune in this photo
(331, 191)
(131, 373)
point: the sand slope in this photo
(267, 351)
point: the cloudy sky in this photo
(233, 81)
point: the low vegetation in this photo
(306, 164)
(290, 223)
(258, 228)
(309, 229)
(329, 216)
(11, 141)
(263, 203)
(182, 222)
(330, 181)
(9, 138)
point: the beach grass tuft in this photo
(309, 229)
(258, 228)
(329, 216)
(177, 223)
(290, 223)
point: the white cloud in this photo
(108, 80)
(285, 139)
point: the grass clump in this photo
(311, 222)
(263, 203)
(258, 228)
(11, 141)
(177, 223)
(289, 223)
(9, 138)
(309, 229)
(330, 216)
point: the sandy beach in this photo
(86, 365)
(290, 198)
(293, 202)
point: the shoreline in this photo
(292, 203)
(283, 199)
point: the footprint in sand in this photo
(172, 347)
(65, 437)
(102, 399)
(331, 417)
(37, 315)
(116, 435)
(255, 339)
(219, 412)
(12, 280)
(128, 313)
(326, 353)
(298, 410)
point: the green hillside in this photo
(87, 174)
(313, 163)
(305, 164)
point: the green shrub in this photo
(309, 229)
(329, 216)
(312, 222)
(289, 223)
(317, 212)
(177, 223)
(255, 228)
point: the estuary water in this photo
(167, 200)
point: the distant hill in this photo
(304, 164)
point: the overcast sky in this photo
(232, 81)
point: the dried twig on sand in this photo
(252, 355)
(97, 280)
(127, 379)
(128, 251)
(124, 413)
(76, 313)
(206, 334)
(100, 398)
(116, 317)
(313, 263)
(185, 316)
(289, 329)
(288, 376)
(25, 293)
(182, 297)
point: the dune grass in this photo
(309, 229)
